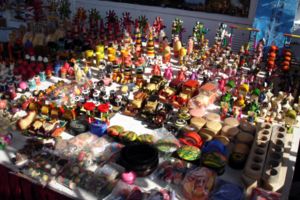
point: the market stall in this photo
(109, 108)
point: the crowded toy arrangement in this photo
(76, 90)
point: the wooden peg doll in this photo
(190, 46)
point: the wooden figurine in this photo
(127, 76)
(176, 46)
(190, 46)
(156, 70)
(168, 73)
(150, 45)
(182, 54)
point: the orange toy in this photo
(287, 57)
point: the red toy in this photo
(272, 57)
(189, 89)
(287, 57)
(156, 70)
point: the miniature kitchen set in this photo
(111, 107)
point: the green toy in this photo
(199, 31)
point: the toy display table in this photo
(147, 183)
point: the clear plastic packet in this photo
(98, 147)
(83, 139)
(44, 167)
(198, 183)
(170, 172)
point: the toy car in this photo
(176, 83)
(161, 116)
(137, 103)
(150, 107)
(166, 94)
(156, 83)
(189, 89)
(207, 95)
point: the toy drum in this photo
(96, 95)
(86, 94)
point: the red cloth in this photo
(13, 187)
(4, 187)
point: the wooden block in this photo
(256, 159)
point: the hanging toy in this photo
(272, 57)
(287, 57)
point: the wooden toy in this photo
(199, 32)
(168, 73)
(177, 28)
(272, 173)
(192, 190)
(189, 89)
(26, 121)
(207, 95)
(176, 46)
(257, 157)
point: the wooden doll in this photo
(190, 46)
(176, 46)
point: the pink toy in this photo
(3, 104)
(107, 81)
(194, 76)
(222, 83)
(129, 177)
(66, 66)
(168, 74)
(207, 95)
(23, 85)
